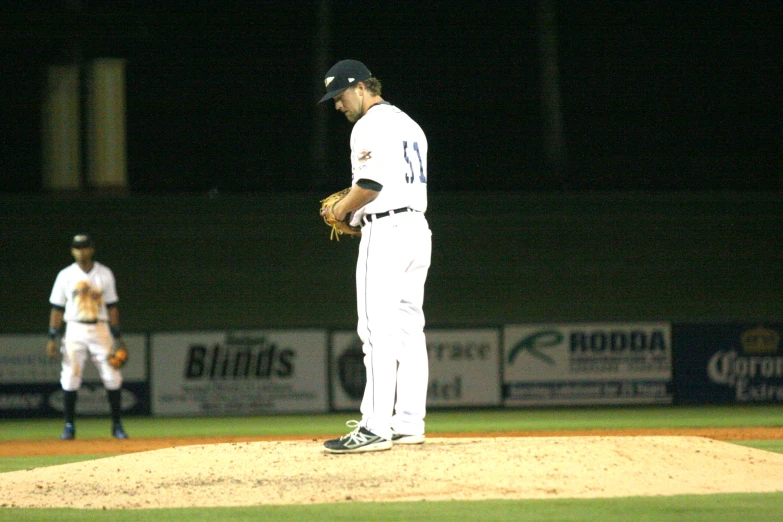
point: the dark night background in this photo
(220, 95)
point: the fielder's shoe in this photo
(399, 438)
(359, 440)
(117, 431)
(69, 432)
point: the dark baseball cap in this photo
(342, 75)
(81, 241)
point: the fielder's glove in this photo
(119, 355)
(338, 227)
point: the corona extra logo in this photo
(760, 340)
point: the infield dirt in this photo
(159, 473)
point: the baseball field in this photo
(644, 463)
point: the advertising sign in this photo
(585, 364)
(464, 369)
(728, 363)
(239, 372)
(30, 381)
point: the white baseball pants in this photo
(81, 340)
(394, 257)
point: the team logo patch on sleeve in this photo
(364, 156)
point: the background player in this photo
(388, 199)
(85, 297)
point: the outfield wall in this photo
(200, 373)
(220, 265)
(264, 261)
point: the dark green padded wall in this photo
(200, 262)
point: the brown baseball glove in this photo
(119, 355)
(338, 227)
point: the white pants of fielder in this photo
(80, 341)
(394, 257)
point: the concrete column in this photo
(61, 129)
(554, 133)
(319, 161)
(106, 154)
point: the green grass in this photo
(17, 463)
(724, 507)
(606, 418)
(775, 446)
(448, 421)
(686, 508)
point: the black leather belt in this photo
(372, 217)
(94, 321)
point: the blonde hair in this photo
(373, 85)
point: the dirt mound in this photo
(54, 446)
(288, 472)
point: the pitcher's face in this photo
(350, 103)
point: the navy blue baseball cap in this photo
(342, 75)
(81, 241)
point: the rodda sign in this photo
(587, 363)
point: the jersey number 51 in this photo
(412, 177)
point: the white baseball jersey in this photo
(84, 295)
(388, 147)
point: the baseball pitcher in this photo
(385, 206)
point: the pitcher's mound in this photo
(297, 472)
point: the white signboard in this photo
(23, 360)
(599, 363)
(464, 369)
(239, 372)
(29, 380)
(348, 375)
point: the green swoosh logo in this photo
(533, 343)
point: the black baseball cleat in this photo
(399, 438)
(360, 440)
(69, 432)
(118, 432)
